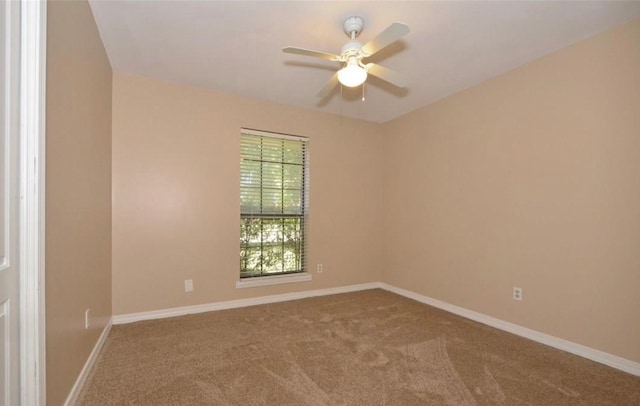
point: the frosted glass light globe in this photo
(352, 75)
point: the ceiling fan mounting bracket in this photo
(353, 26)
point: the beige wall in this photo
(176, 175)
(531, 179)
(78, 192)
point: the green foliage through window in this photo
(273, 170)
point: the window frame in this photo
(269, 276)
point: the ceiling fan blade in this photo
(393, 33)
(309, 52)
(328, 87)
(388, 75)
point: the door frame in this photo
(33, 44)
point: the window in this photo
(273, 195)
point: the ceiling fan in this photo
(354, 71)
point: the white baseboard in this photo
(555, 342)
(232, 304)
(82, 378)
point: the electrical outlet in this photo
(188, 285)
(86, 319)
(319, 268)
(517, 293)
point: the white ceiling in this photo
(236, 46)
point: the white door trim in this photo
(32, 187)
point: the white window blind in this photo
(273, 197)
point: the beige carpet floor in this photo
(364, 348)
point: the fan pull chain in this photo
(363, 91)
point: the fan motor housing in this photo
(350, 47)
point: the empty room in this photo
(340, 203)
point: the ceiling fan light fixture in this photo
(352, 75)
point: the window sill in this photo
(273, 280)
